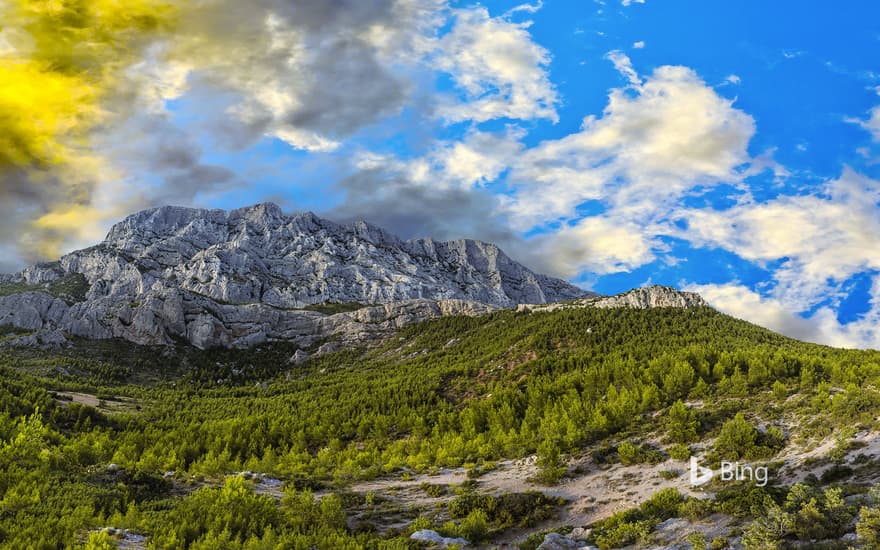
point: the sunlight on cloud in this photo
(61, 63)
(598, 244)
(873, 123)
(822, 240)
(822, 327)
(499, 68)
(655, 140)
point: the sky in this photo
(727, 148)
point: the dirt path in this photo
(110, 405)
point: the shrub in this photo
(433, 490)
(419, 524)
(663, 504)
(737, 438)
(475, 526)
(696, 508)
(835, 472)
(780, 392)
(551, 468)
(680, 452)
(697, 540)
(681, 423)
(625, 533)
(868, 527)
(466, 503)
(629, 454)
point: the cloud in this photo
(820, 240)
(630, 2)
(310, 74)
(657, 138)
(599, 244)
(822, 327)
(411, 210)
(873, 123)
(87, 131)
(60, 64)
(498, 69)
(639, 45)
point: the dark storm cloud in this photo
(413, 211)
(353, 90)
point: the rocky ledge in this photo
(638, 298)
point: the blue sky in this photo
(730, 148)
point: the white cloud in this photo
(623, 64)
(655, 140)
(500, 70)
(873, 123)
(630, 2)
(599, 244)
(476, 159)
(639, 45)
(527, 8)
(822, 241)
(822, 327)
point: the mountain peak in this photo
(240, 277)
(263, 212)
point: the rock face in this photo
(652, 296)
(638, 298)
(243, 277)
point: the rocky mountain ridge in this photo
(637, 298)
(212, 278)
(248, 276)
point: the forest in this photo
(160, 450)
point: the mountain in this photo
(247, 276)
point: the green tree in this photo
(475, 526)
(551, 468)
(681, 423)
(737, 438)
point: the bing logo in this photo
(729, 471)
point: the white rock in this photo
(555, 541)
(427, 535)
(299, 357)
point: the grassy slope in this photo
(447, 392)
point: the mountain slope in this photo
(441, 424)
(239, 278)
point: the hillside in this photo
(496, 429)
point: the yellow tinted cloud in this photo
(40, 111)
(60, 66)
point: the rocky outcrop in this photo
(433, 537)
(248, 276)
(639, 298)
(651, 297)
(555, 541)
